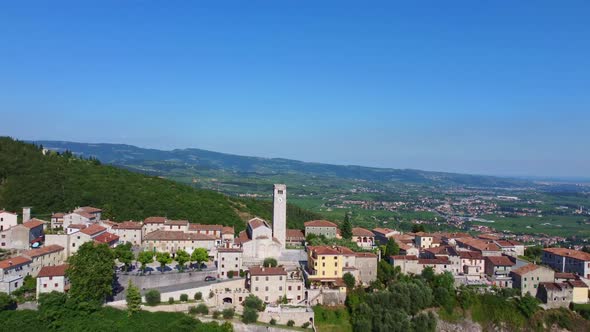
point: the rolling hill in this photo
(201, 161)
(59, 182)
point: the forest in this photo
(59, 182)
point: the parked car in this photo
(209, 278)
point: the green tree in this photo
(182, 257)
(252, 301)
(124, 254)
(202, 309)
(228, 313)
(349, 280)
(153, 297)
(52, 308)
(145, 258)
(250, 315)
(200, 256)
(270, 262)
(346, 230)
(416, 228)
(163, 258)
(528, 305)
(392, 248)
(91, 273)
(133, 298)
(428, 274)
(7, 302)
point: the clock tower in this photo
(279, 218)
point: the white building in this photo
(7, 220)
(228, 260)
(52, 278)
(13, 272)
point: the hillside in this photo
(59, 182)
(202, 160)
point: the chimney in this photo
(26, 214)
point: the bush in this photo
(211, 294)
(273, 322)
(242, 273)
(152, 297)
(270, 262)
(216, 314)
(170, 300)
(306, 325)
(183, 297)
(230, 274)
(252, 301)
(192, 310)
(7, 302)
(228, 313)
(291, 323)
(202, 309)
(198, 296)
(250, 315)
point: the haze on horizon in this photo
(460, 86)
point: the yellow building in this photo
(326, 263)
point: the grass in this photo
(548, 224)
(332, 319)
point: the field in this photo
(556, 225)
(332, 319)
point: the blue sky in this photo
(496, 87)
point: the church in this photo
(260, 240)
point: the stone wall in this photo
(157, 279)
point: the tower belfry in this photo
(279, 219)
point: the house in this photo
(81, 217)
(425, 240)
(498, 270)
(52, 279)
(228, 260)
(439, 264)
(321, 227)
(408, 264)
(23, 236)
(13, 272)
(485, 247)
(129, 231)
(364, 238)
(382, 235)
(107, 238)
(176, 225)
(406, 249)
(366, 265)
(327, 264)
(567, 260)
(57, 220)
(447, 252)
(451, 238)
(472, 263)
(272, 284)
(223, 235)
(7, 220)
(295, 237)
(152, 224)
(94, 212)
(172, 241)
(510, 247)
(49, 255)
(528, 277)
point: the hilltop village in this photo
(279, 266)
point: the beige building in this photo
(228, 259)
(50, 255)
(271, 284)
(57, 220)
(13, 272)
(153, 224)
(172, 241)
(382, 235)
(52, 278)
(22, 236)
(561, 294)
(527, 278)
(568, 260)
(425, 240)
(321, 227)
(129, 231)
(498, 270)
(257, 241)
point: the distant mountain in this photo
(152, 160)
(59, 182)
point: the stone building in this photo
(274, 284)
(228, 259)
(49, 255)
(321, 227)
(257, 241)
(7, 220)
(498, 270)
(52, 278)
(527, 278)
(364, 238)
(129, 231)
(567, 260)
(172, 241)
(13, 272)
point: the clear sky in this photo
(489, 87)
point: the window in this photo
(280, 277)
(266, 288)
(50, 278)
(266, 278)
(298, 297)
(55, 284)
(256, 278)
(256, 289)
(236, 266)
(240, 299)
(298, 287)
(222, 258)
(266, 298)
(280, 288)
(289, 288)
(44, 285)
(222, 265)
(236, 258)
(280, 192)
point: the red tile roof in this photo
(330, 250)
(579, 255)
(257, 222)
(14, 261)
(77, 226)
(499, 261)
(128, 225)
(470, 254)
(205, 227)
(565, 275)
(42, 251)
(488, 237)
(267, 271)
(53, 271)
(577, 283)
(228, 230)
(525, 269)
(177, 236)
(33, 223)
(93, 230)
(295, 234)
(176, 222)
(88, 209)
(58, 215)
(154, 220)
(365, 255)
(358, 231)
(106, 237)
(407, 257)
(319, 223)
(428, 261)
(229, 250)
(242, 238)
(508, 243)
(382, 231)
(4, 211)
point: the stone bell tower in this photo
(279, 218)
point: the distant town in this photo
(290, 270)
